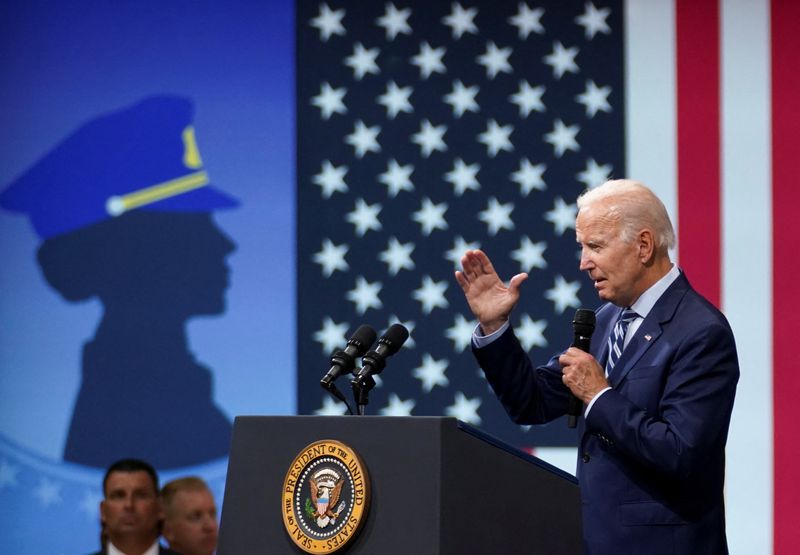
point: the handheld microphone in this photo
(375, 361)
(583, 328)
(343, 361)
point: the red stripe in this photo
(785, 16)
(698, 148)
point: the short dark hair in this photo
(131, 465)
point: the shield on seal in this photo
(322, 505)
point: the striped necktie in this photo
(617, 338)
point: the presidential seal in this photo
(325, 497)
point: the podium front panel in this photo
(435, 489)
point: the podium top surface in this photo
(445, 421)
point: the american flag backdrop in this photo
(429, 128)
(426, 128)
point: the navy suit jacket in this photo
(651, 460)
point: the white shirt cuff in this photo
(480, 340)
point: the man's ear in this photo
(647, 246)
(103, 512)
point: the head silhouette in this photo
(143, 265)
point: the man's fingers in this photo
(462, 280)
(485, 264)
(475, 264)
(470, 266)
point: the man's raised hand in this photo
(489, 298)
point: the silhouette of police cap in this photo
(142, 157)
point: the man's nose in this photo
(586, 261)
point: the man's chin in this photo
(130, 528)
(605, 296)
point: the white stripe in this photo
(747, 263)
(650, 98)
(565, 458)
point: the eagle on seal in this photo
(325, 493)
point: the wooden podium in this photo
(438, 486)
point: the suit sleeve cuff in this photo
(591, 403)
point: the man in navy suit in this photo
(651, 460)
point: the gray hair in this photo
(635, 206)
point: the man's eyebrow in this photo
(144, 490)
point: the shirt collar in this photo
(152, 550)
(644, 304)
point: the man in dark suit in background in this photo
(130, 512)
(658, 386)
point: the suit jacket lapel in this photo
(645, 336)
(651, 329)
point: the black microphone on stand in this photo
(583, 328)
(344, 361)
(375, 362)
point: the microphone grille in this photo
(584, 322)
(394, 337)
(363, 338)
